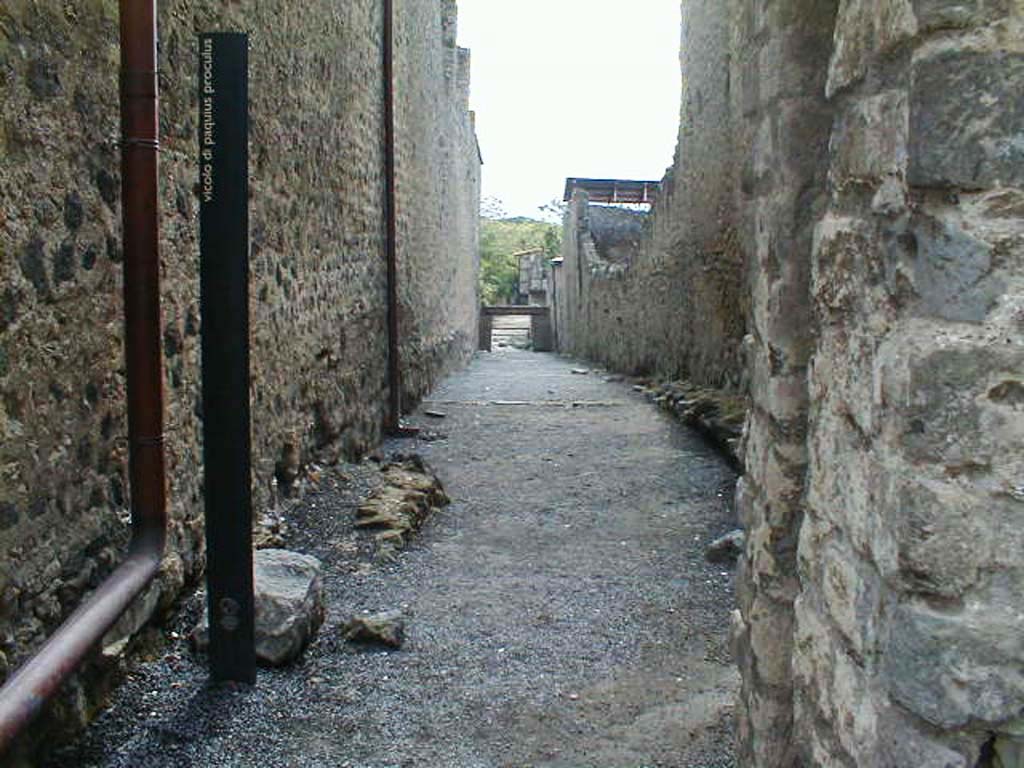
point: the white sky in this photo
(563, 88)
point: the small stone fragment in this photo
(386, 628)
(580, 371)
(432, 436)
(726, 548)
(269, 533)
(435, 414)
(390, 538)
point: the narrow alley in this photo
(272, 274)
(559, 612)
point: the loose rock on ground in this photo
(289, 605)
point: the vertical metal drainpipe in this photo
(391, 236)
(24, 695)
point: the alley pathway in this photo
(561, 613)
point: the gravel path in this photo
(560, 612)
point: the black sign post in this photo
(224, 303)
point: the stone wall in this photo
(778, 71)
(438, 187)
(871, 166)
(668, 298)
(319, 336)
(883, 451)
(909, 640)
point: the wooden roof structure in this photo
(614, 190)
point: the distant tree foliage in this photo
(500, 240)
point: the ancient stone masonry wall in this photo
(669, 300)
(909, 636)
(593, 309)
(319, 343)
(778, 73)
(882, 497)
(438, 192)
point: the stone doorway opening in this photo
(507, 323)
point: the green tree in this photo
(500, 241)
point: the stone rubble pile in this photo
(716, 414)
(409, 495)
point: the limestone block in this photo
(952, 270)
(770, 626)
(864, 28)
(289, 605)
(954, 667)
(945, 14)
(857, 717)
(847, 358)
(834, 688)
(870, 139)
(840, 247)
(771, 552)
(945, 537)
(853, 43)
(955, 414)
(850, 595)
(386, 628)
(846, 490)
(767, 725)
(901, 743)
(813, 655)
(745, 504)
(965, 118)
(783, 396)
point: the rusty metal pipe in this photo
(23, 696)
(390, 213)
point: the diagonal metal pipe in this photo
(27, 691)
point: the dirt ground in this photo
(560, 611)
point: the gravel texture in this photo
(559, 613)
